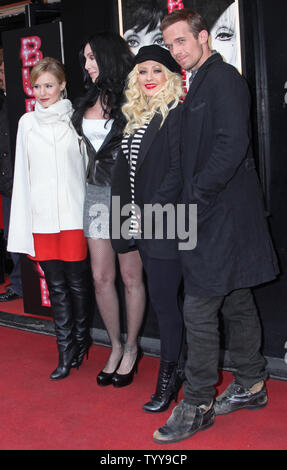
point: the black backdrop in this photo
(79, 22)
(264, 37)
(264, 61)
(49, 37)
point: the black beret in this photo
(158, 54)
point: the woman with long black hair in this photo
(106, 60)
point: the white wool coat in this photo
(49, 178)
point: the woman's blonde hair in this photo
(48, 64)
(139, 111)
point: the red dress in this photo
(68, 245)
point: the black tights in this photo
(164, 278)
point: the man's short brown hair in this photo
(195, 21)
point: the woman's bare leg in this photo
(104, 272)
(132, 276)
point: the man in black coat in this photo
(234, 251)
(14, 290)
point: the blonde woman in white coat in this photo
(46, 220)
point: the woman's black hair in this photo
(146, 13)
(114, 61)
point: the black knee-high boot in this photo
(78, 280)
(63, 317)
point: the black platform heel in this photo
(106, 378)
(122, 380)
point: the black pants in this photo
(164, 277)
(201, 321)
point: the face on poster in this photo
(141, 23)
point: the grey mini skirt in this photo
(97, 211)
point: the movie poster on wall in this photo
(140, 24)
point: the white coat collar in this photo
(59, 111)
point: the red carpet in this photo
(75, 413)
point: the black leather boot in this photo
(82, 351)
(65, 364)
(79, 287)
(168, 384)
(63, 316)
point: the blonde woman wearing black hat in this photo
(147, 172)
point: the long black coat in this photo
(157, 180)
(233, 249)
